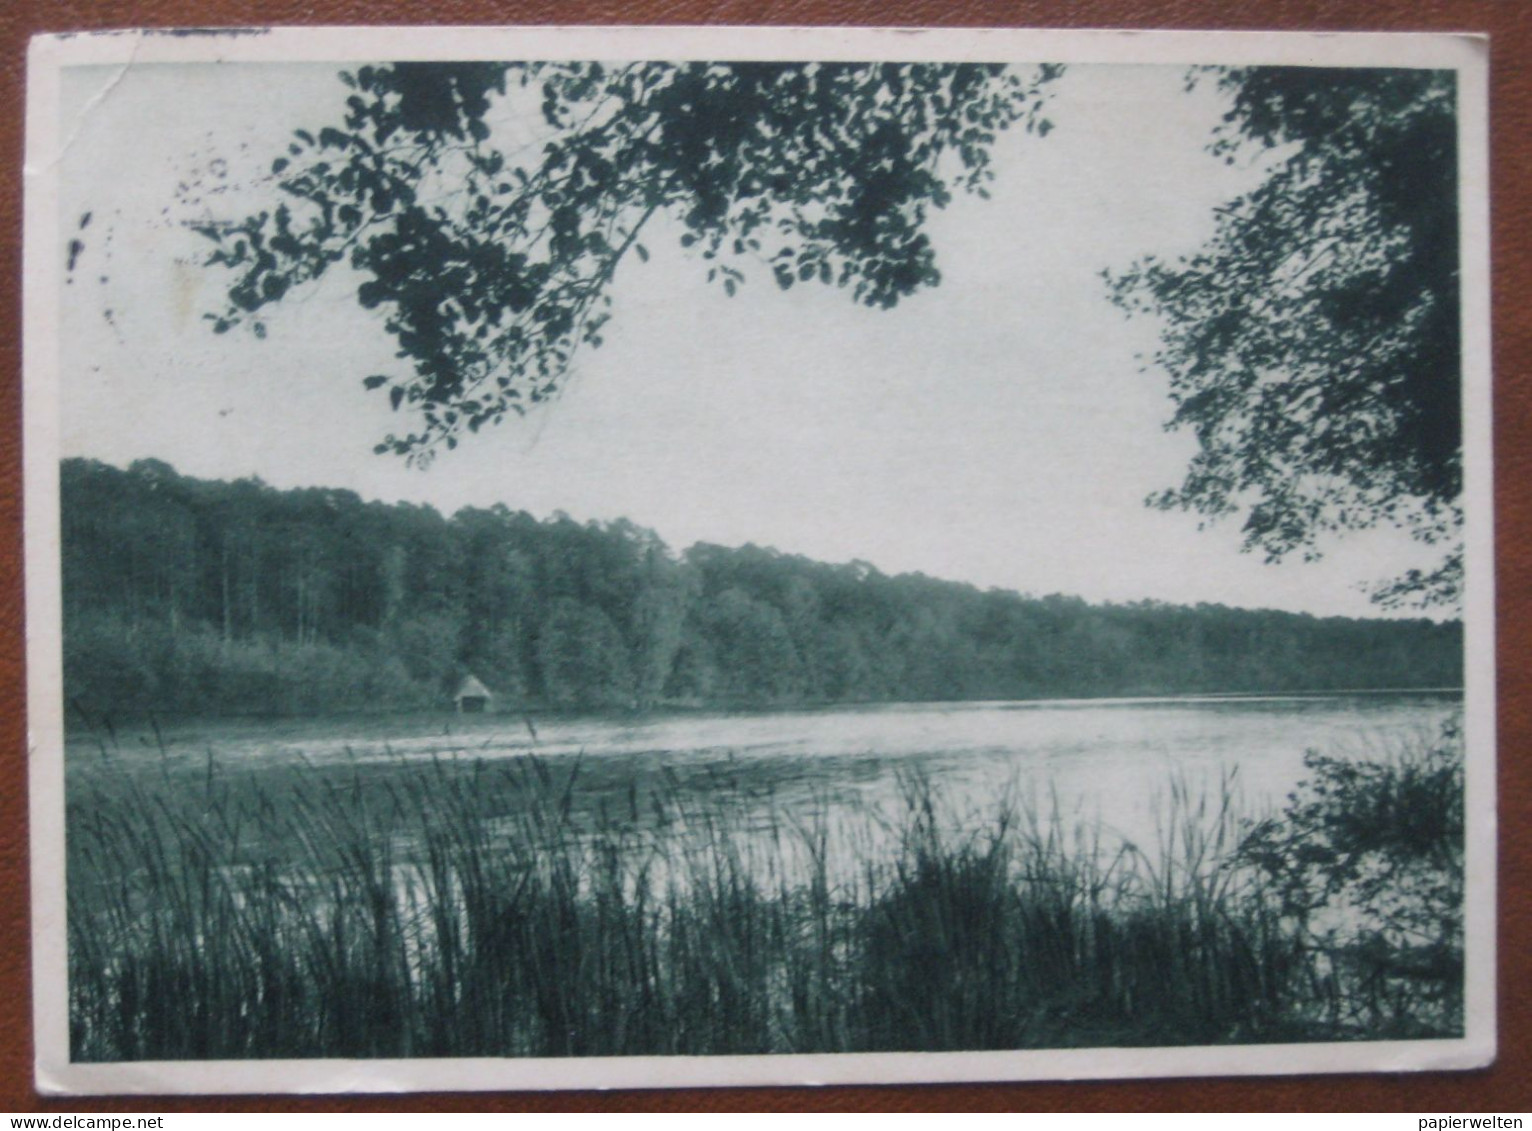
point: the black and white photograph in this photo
(639, 557)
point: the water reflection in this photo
(1106, 763)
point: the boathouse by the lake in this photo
(472, 697)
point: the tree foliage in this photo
(184, 596)
(491, 266)
(1367, 861)
(1313, 342)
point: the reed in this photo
(470, 908)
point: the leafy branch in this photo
(493, 269)
(1312, 344)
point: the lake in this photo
(931, 876)
(1107, 763)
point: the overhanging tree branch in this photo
(1325, 398)
(494, 270)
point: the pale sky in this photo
(995, 429)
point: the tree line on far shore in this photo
(194, 597)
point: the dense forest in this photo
(186, 596)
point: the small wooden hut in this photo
(472, 697)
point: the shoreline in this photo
(76, 730)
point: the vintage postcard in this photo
(641, 557)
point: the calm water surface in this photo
(1108, 761)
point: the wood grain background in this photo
(1505, 1087)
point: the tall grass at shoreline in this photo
(468, 908)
